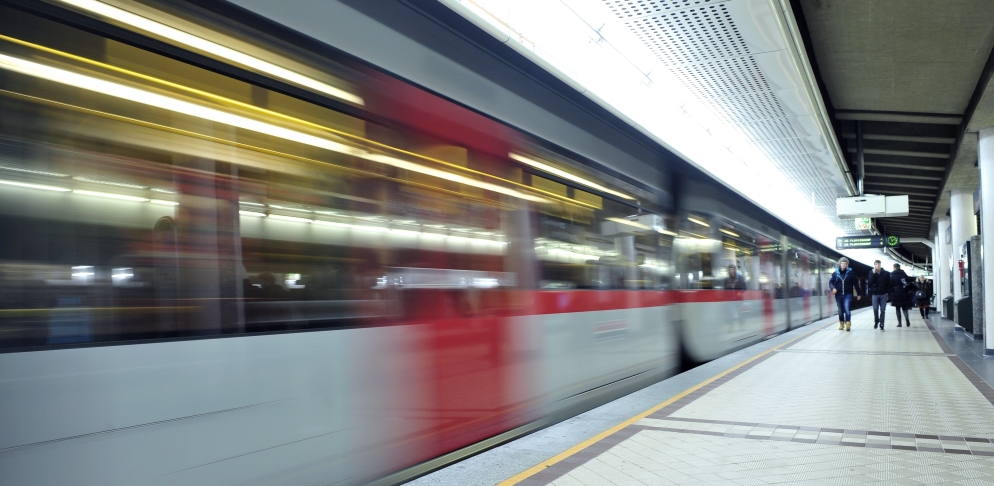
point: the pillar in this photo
(941, 267)
(964, 225)
(985, 159)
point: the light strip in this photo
(29, 171)
(251, 203)
(179, 106)
(199, 43)
(164, 202)
(566, 175)
(291, 209)
(332, 223)
(729, 232)
(667, 232)
(290, 218)
(695, 220)
(628, 222)
(110, 196)
(34, 186)
(118, 184)
(252, 214)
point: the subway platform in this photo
(909, 405)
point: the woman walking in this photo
(923, 298)
(844, 285)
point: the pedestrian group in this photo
(881, 285)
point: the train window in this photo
(141, 198)
(715, 253)
(610, 246)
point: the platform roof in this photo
(916, 76)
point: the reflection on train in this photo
(204, 280)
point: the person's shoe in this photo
(881, 328)
(876, 324)
(898, 324)
(909, 323)
(842, 325)
(848, 324)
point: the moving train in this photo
(323, 274)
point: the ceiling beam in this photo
(902, 153)
(894, 192)
(904, 166)
(906, 176)
(901, 138)
(891, 184)
(899, 116)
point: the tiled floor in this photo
(836, 407)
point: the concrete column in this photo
(964, 225)
(985, 158)
(943, 249)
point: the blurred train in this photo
(206, 280)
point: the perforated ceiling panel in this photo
(702, 46)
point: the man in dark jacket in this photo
(900, 285)
(879, 286)
(844, 285)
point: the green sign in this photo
(862, 223)
(862, 242)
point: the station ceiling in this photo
(914, 77)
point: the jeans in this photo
(844, 302)
(879, 308)
(906, 318)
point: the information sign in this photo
(862, 242)
(862, 223)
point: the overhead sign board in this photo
(862, 223)
(863, 242)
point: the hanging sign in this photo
(862, 242)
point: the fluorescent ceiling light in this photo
(118, 184)
(291, 209)
(332, 223)
(666, 232)
(566, 175)
(164, 202)
(34, 186)
(378, 229)
(629, 223)
(695, 220)
(184, 107)
(201, 44)
(39, 172)
(251, 203)
(110, 196)
(252, 213)
(729, 232)
(290, 218)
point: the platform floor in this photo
(813, 406)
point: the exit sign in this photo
(862, 223)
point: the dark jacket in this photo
(879, 283)
(902, 289)
(737, 283)
(923, 298)
(846, 283)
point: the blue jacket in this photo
(846, 283)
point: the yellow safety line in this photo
(597, 438)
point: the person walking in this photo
(878, 285)
(844, 285)
(923, 297)
(899, 298)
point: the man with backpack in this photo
(878, 283)
(844, 285)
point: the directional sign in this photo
(861, 242)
